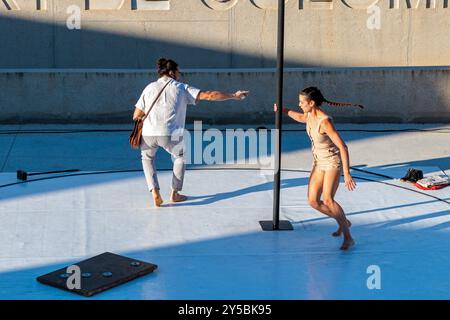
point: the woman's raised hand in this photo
(275, 107)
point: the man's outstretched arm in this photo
(221, 96)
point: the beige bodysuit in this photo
(326, 155)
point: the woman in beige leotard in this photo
(330, 159)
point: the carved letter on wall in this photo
(104, 4)
(41, 5)
(150, 4)
(220, 4)
(395, 4)
(9, 5)
(359, 4)
(415, 4)
(316, 4)
(267, 4)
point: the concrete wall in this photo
(205, 34)
(107, 96)
(127, 36)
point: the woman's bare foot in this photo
(338, 233)
(347, 244)
(176, 197)
(157, 199)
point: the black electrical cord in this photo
(210, 169)
(121, 171)
(16, 132)
(373, 173)
(394, 185)
(390, 184)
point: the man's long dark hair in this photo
(165, 66)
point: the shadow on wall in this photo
(55, 46)
(105, 97)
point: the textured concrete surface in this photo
(408, 94)
(124, 34)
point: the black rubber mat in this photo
(99, 274)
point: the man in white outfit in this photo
(165, 123)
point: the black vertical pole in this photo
(276, 224)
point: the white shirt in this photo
(169, 113)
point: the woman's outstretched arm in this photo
(297, 116)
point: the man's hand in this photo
(138, 114)
(241, 95)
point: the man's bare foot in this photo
(347, 244)
(157, 199)
(176, 197)
(338, 233)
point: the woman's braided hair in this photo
(314, 94)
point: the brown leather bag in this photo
(136, 134)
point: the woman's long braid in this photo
(342, 104)
(313, 93)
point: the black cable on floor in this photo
(11, 132)
(217, 169)
(373, 173)
(391, 178)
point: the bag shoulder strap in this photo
(156, 99)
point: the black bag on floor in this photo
(413, 175)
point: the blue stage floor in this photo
(212, 247)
